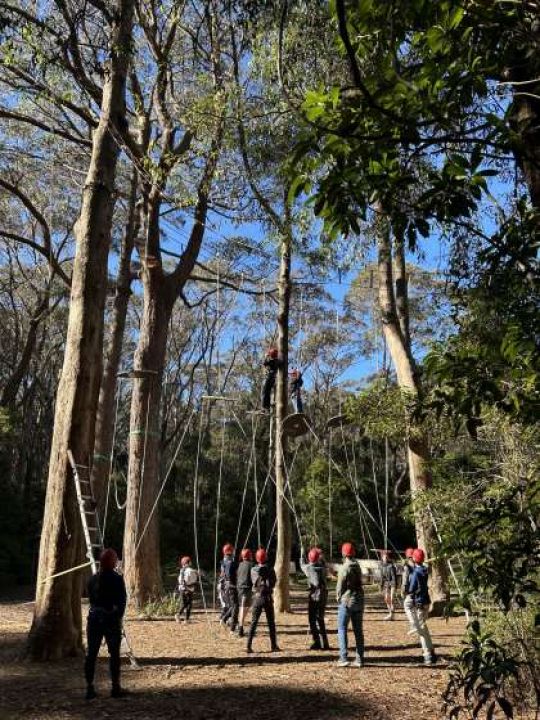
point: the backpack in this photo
(262, 586)
(354, 578)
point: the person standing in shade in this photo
(388, 583)
(263, 579)
(350, 597)
(315, 571)
(107, 597)
(243, 581)
(228, 574)
(417, 605)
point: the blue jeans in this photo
(355, 614)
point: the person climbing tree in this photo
(316, 573)
(350, 597)
(417, 604)
(408, 567)
(187, 583)
(295, 390)
(263, 579)
(388, 583)
(107, 597)
(271, 365)
(228, 573)
(243, 580)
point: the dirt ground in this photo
(199, 670)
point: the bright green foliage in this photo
(380, 410)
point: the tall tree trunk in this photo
(56, 628)
(106, 414)
(395, 323)
(283, 551)
(141, 559)
(525, 121)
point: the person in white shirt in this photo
(187, 583)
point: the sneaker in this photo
(430, 660)
(326, 646)
(90, 693)
(358, 663)
(343, 663)
(240, 632)
(315, 646)
(390, 616)
(249, 650)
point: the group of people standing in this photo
(249, 584)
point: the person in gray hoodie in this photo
(316, 573)
(350, 597)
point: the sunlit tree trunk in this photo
(56, 628)
(395, 321)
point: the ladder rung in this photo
(83, 466)
(87, 497)
(89, 512)
(91, 527)
(96, 545)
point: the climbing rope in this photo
(218, 501)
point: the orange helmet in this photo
(348, 550)
(261, 556)
(314, 554)
(418, 556)
(272, 352)
(409, 552)
(108, 559)
(228, 549)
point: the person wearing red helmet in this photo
(388, 583)
(263, 579)
(271, 365)
(408, 567)
(417, 604)
(228, 570)
(350, 597)
(295, 390)
(315, 571)
(243, 581)
(187, 584)
(107, 597)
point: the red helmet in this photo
(272, 352)
(418, 556)
(108, 559)
(185, 560)
(228, 549)
(314, 554)
(348, 550)
(260, 556)
(246, 554)
(409, 552)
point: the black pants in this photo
(256, 611)
(99, 626)
(232, 601)
(187, 602)
(316, 609)
(268, 386)
(296, 399)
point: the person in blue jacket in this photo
(416, 605)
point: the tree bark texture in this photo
(284, 542)
(395, 324)
(57, 629)
(141, 553)
(106, 412)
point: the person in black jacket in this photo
(263, 579)
(315, 571)
(388, 583)
(229, 568)
(107, 596)
(271, 365)
(243, 582)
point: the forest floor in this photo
(199, 670)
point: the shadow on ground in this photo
(203, 703)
